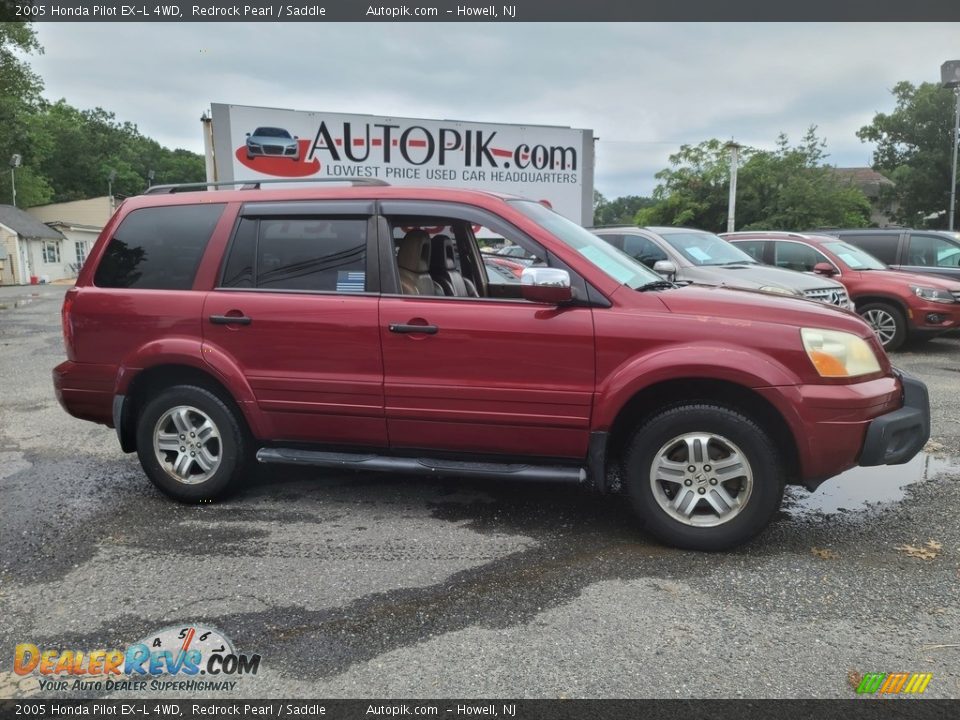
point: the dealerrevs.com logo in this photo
(173, 658)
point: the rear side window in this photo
(158, 248)
(883, 247)
(315, 254)
(753, 248)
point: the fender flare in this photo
(728, 363)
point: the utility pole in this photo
(15, 161)
(950, 76)
(732, 202)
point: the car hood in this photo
(744, 306)
(754, 277)
(909, 278)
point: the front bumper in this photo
(896, 437)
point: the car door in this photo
(931, 254)
(296, 311)
(485, 375)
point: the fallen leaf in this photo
(854, 678)
(928, 551)
(825, 553)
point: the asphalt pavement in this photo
(378, 586)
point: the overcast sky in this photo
(643, 89)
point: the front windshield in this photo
(854, 257)
(615, 263)
(703, 248)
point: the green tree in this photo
(789, 188)
(693, 190)
(620, 211)
(914, 145)
(90, 144)
(19, 96)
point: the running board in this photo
(421, 466)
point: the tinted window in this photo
(882, 247)
(932, 251)
(642, 249)
(239, 269)
(753, 248)
(326, 254)
(794, 256)
(158, 248)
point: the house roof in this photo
(864, 178)
(26, 225)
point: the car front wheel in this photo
(888, 323)
(191, 444)
(703, 476)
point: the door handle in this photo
(230, 319)
(424, 329)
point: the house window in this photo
(81, 246)
(51, 252)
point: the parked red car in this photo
(899, 306)
(356, 328)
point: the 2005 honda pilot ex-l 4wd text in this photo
(355, 328)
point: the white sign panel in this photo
(545, 163)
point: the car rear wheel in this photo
(703, 476)
(191, 444)
(888, 323)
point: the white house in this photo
(80, 222)
(29, 250)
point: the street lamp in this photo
(950, 76)
(15, 162)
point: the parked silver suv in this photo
(686, 255)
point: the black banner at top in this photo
(480, 11)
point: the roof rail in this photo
(255, 184)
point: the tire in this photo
(887, 321)
(218, 460)
(660, 448)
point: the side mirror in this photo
(665, 268)
(825, 268)
(248, 134)
(545, 285)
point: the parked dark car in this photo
(898, 305)
(354, 328)
(929, 252)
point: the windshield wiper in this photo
(656, 285)
(737, 262)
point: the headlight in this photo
(780, 290)
(932, 294)
(838, 354)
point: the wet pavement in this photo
(372, 585)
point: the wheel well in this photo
(160, 377)
(886, 300)
(656, 397)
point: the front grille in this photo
(273, 150)
(830, 296)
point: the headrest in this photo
(414, 252)
(443, 256)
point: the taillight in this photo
(67, 318)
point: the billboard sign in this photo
(545, 163)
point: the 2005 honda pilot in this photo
(356, 328)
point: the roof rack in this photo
(255, 184)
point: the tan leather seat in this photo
(413, 260)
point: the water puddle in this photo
(863, 488)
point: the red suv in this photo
(356, 328)
(899, 306)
